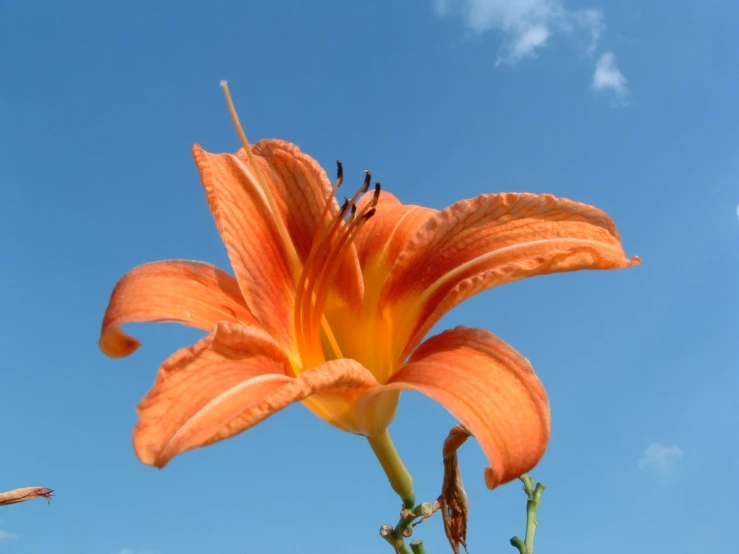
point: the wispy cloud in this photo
(527, 26)
(662, 458)
(608, 78)
(5, 536)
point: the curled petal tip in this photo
(635, 260)
(117, 344)
(491, 481)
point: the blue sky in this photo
(629, 106)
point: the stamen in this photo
(366, 216)
(339, 174)
(333, 239)
(351, 215)
(338, 219)
(367, 179)
(317, 242)
(315, 271)
(329, 272)
(376, 195)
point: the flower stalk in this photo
(404, 528)
(417, 547)
(533, 492)
(400, 480)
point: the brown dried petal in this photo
(453, 499)
(26, 493)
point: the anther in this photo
(365, 217)
(376, 195)
(351, 215)
(339, 173)
(367, 180)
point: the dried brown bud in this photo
(26, 493)
(453, 499)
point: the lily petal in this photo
(489, 387)
(387, 232)
(192, 293)
(222, 386)
(489, 240)
(267, 218)
(302, 184)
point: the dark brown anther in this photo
(367, 180)
(353, 214)
(339, 173)
(365, 217)
(344, 207)
(376, 196)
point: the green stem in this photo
(407, 517)
(396, 535)
(396, 541)
(417, 547)
(401, 481)
(403, 549)
(532, 506)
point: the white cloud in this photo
(607, 77)
(5, 536)
(661, 457)
(531, 39)
(526, 25)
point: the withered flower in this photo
(24, 494)
(453, 499)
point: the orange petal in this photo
(192, 293)
(490, 240)
(490, 388)
(385, 234)
(225, 384)
(303, 186)
(268, 231)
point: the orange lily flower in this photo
(329, 306)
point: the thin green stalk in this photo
(402, 483)
(397, 542)
(532, 506)
(404, 528)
